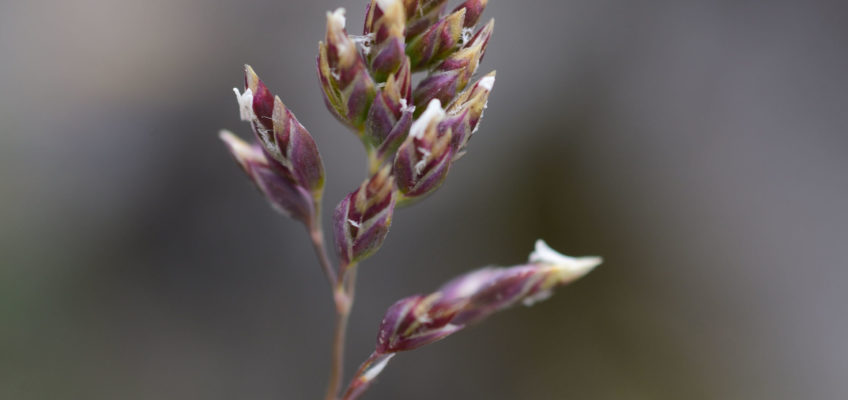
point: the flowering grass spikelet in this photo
(347, 86)
(385, 21)
(424, 159)
(390, 115)
(437, 42)
(466, 112)
(425, 14)
(362, 220)
(419, 320)
(285, 163)
(454, 73)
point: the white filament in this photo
(419, 166)
(404, 108)
(385, 4)
(466, 35)
(245, 102)
(433, 114)
(336, 19)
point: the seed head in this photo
(362, 220)
(419, 320)
(426, 13)
(385, 22)
(390, 115)
(455, 71)
(423, 160)
(348, 87)
(466, 112)
(437, 42)
(296, 150)
(288, 168)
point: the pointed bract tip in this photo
(241, 150)
(228, 137)
(482, 36)
(486, 30)
(488, 82)
(375, 370)
(251, 80)
(572, 266)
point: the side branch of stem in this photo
(316, 234)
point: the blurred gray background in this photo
(699, 146)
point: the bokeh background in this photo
(699, 146)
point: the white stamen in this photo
(433, 114)
(336, 19)
(267, 140)
(364, 41)
(385, 4)
(404, 108)
(466, 35)
(245, 102)
(572, 267)
(425, 156)
(335, 32)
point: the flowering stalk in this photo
(412, 137)
(419, 320)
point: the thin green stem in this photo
(343, 295)
(316, 233)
